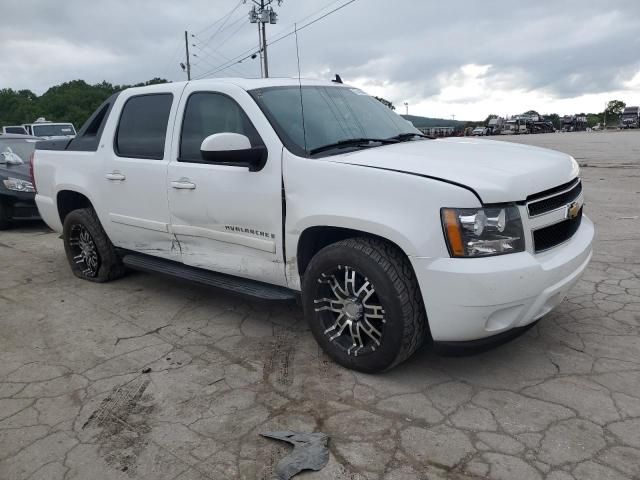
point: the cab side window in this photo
(142, 129)
(208, 113)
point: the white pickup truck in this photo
(273, 188)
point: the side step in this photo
(236, 285)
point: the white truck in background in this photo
(50, 130)
(390, 237)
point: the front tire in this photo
(90, 253)
(363, 304)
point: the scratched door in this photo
(226, 218)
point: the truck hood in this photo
(497, 171)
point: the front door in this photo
(225, 217)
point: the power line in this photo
(220, 19)
(312, 22)
(226, 18)
(234, 60)
(299, 21)
(207, 52)
(203, 60)
(205, 47)
(245, 55)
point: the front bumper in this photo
(22, 204)
(472, 298)
(25, 210)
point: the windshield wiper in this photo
(403, 137)
(352, 142)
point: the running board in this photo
(237, 285)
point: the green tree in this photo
(615, 107)
(613, 111)
(72, 101)
(593, 119)
(385, 102)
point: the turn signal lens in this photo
(453, 230)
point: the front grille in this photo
(551, 203)
(548, 237)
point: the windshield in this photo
(331, 115)
(53, 130)
(13, 150)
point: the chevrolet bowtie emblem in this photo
(573, 209)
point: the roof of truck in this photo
(249, 83)
(252, 83)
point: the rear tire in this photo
(90, 253)
(5, 216)
(363, 304)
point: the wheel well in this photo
(69, 201)
(314, 239)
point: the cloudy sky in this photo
(462, 58)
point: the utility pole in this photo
(264, 43)
(186, 46)
(260, 52)
(262, 13)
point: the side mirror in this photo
(233, 149)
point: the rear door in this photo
(135, 171)
(226, 218)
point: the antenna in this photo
(304, 131)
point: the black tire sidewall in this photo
(393, 330)
(107, 257)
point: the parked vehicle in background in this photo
(514, 126)
(272, 188)
(19, 129)
(17, 195)
(630, 117)
(574, 123)
(49, 130)
(479, 131)
(495, 126)
(526, 123)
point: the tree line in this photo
(71, 102)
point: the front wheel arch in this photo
(313, 239)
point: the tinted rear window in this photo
(143, 126)
(19, 130)
(46, 130)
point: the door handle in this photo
(183, 184)
(116, 176)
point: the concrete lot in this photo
(560, 402)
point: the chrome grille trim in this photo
(548, 203)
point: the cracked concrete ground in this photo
(561, 402)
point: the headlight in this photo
(481, 232)
(18, 185)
